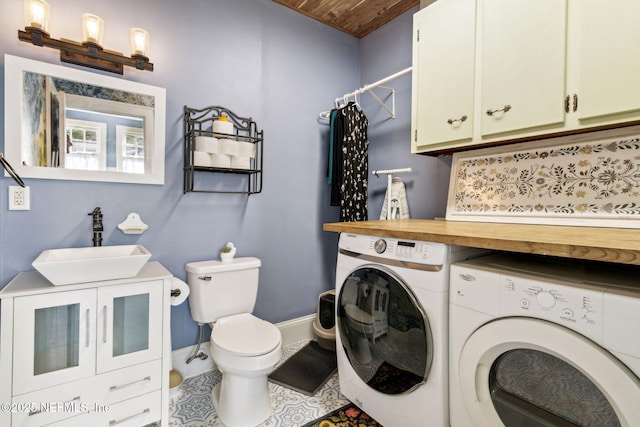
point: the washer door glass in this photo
(530, 372)
(534, 388)
(384, 331)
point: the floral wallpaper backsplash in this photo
(590, 179)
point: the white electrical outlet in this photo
(19, 198)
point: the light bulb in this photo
(36, 14)
(93, 28)
(139, 42)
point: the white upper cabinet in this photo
(523, 64)
(607, 51)
(532, 69)
(444, 54)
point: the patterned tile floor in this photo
(193, 407)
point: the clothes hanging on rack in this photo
(348, 162)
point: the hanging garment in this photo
(397, 197)
(355, 168)
(335, 155)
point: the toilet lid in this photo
(245, 334)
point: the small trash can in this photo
(324, 325)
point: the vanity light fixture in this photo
(90, 52)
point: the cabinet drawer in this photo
(88, 395)
(136, 412)
(52, 404)
(128, 382)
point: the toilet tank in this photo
(219, 289)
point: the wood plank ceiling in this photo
(355, 17)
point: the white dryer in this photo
(391, 340)
(543, 342)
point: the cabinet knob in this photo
(461, 119)
(503, 109)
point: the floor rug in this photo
(347, 416)
(307, 370)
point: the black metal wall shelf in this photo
(199, 122)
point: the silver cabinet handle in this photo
(63, 405)
(575, 102)
(503, 109)
(118, 387)
(104, 324)
(88, 325)
(461, 119)
(467, 277)
(130, 417)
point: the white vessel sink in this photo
(91, 264)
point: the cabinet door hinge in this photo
(417, 35)
(415, 135)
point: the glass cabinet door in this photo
(54, 338)
(129, 324)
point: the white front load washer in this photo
(537, 341)
(391, 340)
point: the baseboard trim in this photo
(292, 331)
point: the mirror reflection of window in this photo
(130, 143)
(85, 145)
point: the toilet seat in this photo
(245, 335)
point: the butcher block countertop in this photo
(618, 245)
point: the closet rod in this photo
(368, 88)
(376, 84)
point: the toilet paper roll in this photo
(207, 144)
(182, 287)
(228, 146)
(201, 158)
(240, 162)
(220, 126)
(220, 160)
(246, 149)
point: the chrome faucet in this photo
(97, 226)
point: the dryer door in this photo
(530, 372)
(384, 330)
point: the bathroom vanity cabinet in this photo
(87, 354)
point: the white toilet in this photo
(245, 349)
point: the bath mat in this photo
(347, 416)
(389, 379)
(307, 370)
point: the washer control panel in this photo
(580, 306)
(408, 250)
(505, 293)
(392, 248)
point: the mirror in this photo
(63, 123)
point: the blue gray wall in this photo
(258, 59)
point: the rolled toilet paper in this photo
(228, 146)
(219, 160)
(246, 149)
(207, 144)
(201, 158)
(221, 126)
(182, 287)
(240, 162)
